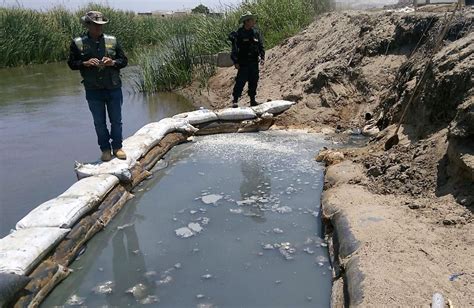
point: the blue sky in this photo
(135, 5)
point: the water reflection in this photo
(128, 265)
(256, 184)
(226, 263)
(45, 126)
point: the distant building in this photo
(171, 14)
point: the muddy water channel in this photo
(45, 125)
(226, 221)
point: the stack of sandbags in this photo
(198, 117)
(236, 114)
(273, 107)
(136, 147)
(21, 250)
(65, 210)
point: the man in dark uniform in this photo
(247, 51)
(99, 58)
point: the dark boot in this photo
(253, 102)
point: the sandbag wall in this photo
(35, 256)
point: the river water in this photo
(45, 125)
(225, 221)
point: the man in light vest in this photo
(99, 58)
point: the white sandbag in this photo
(65, 210)
(158, 130)
(273, 107)
(198, 116)
(21, 250)
(236, 114)
(137, 146)
(117, 167)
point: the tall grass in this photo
(30, 36)
(207, 35)
(170, 52)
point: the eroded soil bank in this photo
(405, 214)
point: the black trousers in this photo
(246, 73)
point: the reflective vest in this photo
(107, 77)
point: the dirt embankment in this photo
(402, 219)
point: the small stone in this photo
(414, 206)
(449, 222)
(374, 171)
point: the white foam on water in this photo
(195, 227)
(267, 148)
(184, 232)
(211, 199)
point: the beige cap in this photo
(95, 17)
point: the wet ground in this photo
(232, 221)
(45, 125)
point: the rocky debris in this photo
(330, 157)
(403, 169)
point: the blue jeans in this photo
(99, 101)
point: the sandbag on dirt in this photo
(236, 114)
(21, 250)
(69, 207)
(198, 116)
(273, 107)
(10, 285)
(158, 130)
